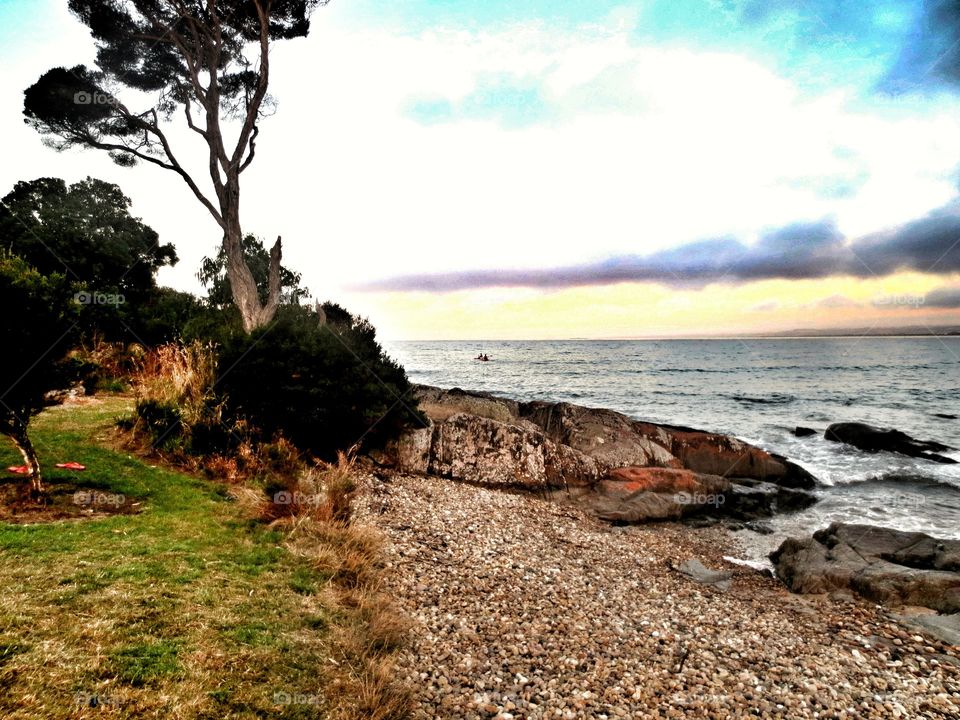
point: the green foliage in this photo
(86, 233)
(166, 315)
(213, 275)
(325, 385)
(37, 323)
(78, 107)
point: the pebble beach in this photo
(527, 608)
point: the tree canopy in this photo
(85, 232)
(209, 60)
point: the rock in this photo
(945, 628)
(439, 404)
(635, 494)
(644, 494)
(874, 439)
(751, 499)
(883, 565)
(478, 449)
(615, 441)
(716, 454)
(696, 570)
(607, 436)
(801, 431)
(413, 450)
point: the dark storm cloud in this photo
(794, 252)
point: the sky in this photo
(490, 169)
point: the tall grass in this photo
(180, 376)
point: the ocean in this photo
(758, 390)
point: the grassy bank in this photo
(187, 609)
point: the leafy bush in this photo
(321, 380)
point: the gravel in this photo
(525, 608)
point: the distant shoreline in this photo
(953, 334)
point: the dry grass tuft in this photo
(180, 376)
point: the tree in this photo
(36, 328)
(209, 59)
(86, 232)
(213, 275)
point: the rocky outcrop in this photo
(439, 404)
(623, 470)
(644, 494)
(476, 449)
(883, 565)
(605, 435)
(723, 455)
(874, 439)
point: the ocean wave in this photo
(772, 399)
(904, 479)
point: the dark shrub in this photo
(321, 380)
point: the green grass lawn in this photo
(185, 610)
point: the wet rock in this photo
(874, 439)
(884, 565)
(801, 431)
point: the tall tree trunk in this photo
(18, 433)
(243, 286)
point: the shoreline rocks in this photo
(884, 565)
(622, 470)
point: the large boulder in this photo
(605, 435)
(644, 494)
(883, 565)
(723, 455)
(874, 439)
(478, 449)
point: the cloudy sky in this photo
(533, 169)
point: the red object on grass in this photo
(19, 469)
(71, 466)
